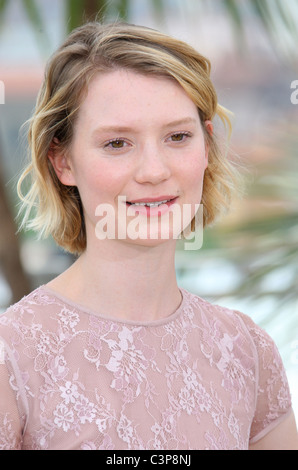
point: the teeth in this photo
(150, 204)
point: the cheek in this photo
(100, 183)
(193, 172)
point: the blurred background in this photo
(249, 260)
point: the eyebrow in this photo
(120, 129)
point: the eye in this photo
(180, 136)
(115, 144)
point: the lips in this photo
(150, 206)
(152, 202)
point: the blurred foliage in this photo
(33, 13)
(263, 243)
(278, 17)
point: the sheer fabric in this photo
(205, 377)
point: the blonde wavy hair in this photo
(94, 48)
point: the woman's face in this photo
(137, 153)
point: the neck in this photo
(126, 281)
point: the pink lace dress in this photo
(203, 378)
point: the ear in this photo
(61, 163)
(208, 128)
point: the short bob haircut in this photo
(94, 48)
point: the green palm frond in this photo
(265, 245)
(3, 7)
(34, 16)
(278, 17)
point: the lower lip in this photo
(151, 211)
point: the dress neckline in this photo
(81, 308)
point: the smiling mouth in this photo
(148, 204)
(152, 203)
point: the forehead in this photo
(127, 97)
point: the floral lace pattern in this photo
(204, 378)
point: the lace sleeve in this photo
(10, 420)
(273, 400)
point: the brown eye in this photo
(117, 144)
(180, 136)
(177, 137)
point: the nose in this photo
(153, 166)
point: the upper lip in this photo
(153, 199)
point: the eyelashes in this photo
(180, 136)
(119, 143)
(115, 144)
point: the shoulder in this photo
(38, 297)
(238, 330)
(225, 320)
(29, 312)
(239, 338)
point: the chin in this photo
(151, 242)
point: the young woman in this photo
(112, 354)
